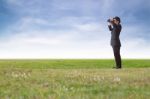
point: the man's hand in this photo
(109, 24)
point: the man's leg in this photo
(116, 50)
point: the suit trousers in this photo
(116, 50)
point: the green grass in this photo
(73, 63)
(74, 79)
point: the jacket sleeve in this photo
(110, 28)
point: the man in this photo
(115, 28)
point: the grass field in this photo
(74, 79)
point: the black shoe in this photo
(116, 67)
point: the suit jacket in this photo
(115, 33)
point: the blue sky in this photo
(72, 28)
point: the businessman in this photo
(115, 28)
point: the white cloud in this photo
(45, 47)
(135, 48)
(28, 23)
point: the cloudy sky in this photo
(72, 28)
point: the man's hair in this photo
(117, 18)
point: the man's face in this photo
(115, 21)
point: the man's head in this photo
(116, 20)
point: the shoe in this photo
(116, 67)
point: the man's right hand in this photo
(109, 24)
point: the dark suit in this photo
(115, 42)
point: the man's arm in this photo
(110, 27)
(110, 24)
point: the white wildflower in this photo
(117, 79)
